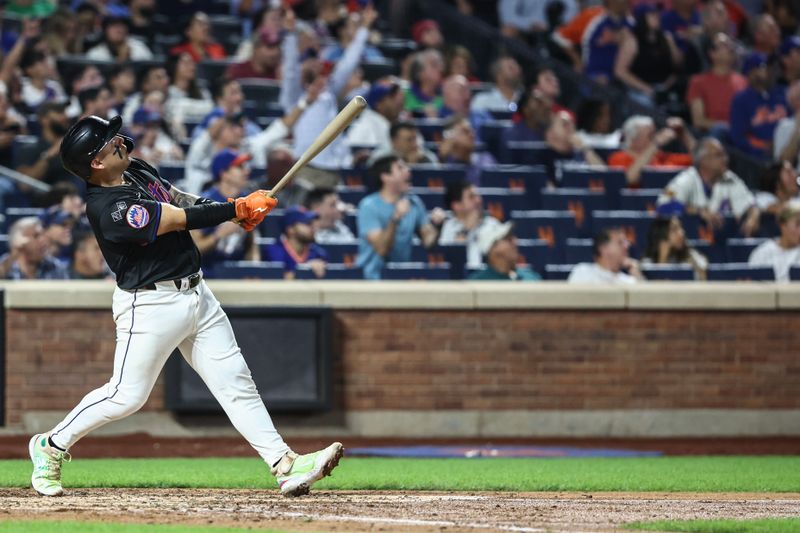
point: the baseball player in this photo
(161, 302)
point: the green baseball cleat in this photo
(296, 473)
(46, 477)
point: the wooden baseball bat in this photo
(334, 128)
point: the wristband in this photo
(208, 215)
(203, 201)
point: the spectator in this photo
(28, 258)
(407, 146)
(61, 33)
(786, 145)
(710, 94)
(41, 160)
(344, 31)
(595, 124)
(547, 83)
(641, 146)
(95, 101)
(37, 86)
(153, 78)
(786, 14)
(682, 22)
(766, 36)
(122, 84)
(142, 20)
(535, 111)
(228, 97)
(711, 190)
(666, 245)
(227, 241)
(87, 259)
(11, 125)
(188, 101)
(328, 225)
(85, 77)
(117, 45)
(778, 186)
(715, 20)
(296, 245)
(58, 225)
(427, 35)
(505, 94)
(425, 94)
(790, 59)
(648, 59)
(388, 219)
(525, 19)
(456, 97)
(469, 221)
(563, 144)
(755, 111)
(265, 61)
(784, 252)
(499, 246)
(153, 144)
(596, 31)
(459, 61)
(611, 265)
(371, 128)
(199, 43)
(323, 89)
(458, 148)
(225, 133)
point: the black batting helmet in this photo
(85, 139)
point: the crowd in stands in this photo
(446, 175)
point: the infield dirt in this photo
(391, 510)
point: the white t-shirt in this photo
(783, 134)
(370, 129)
(139, 51)
(594, 273)
(453, 232)
(33, 97)
(770, 253)
(729, 194)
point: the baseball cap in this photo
(144, 115)
(789, 44)
(379, 90)
(418, 29)
(226, 159)
(296, 215)
(754, 60)
(489, 236)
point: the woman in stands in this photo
(778, 186)
(188, 101)
(666, 244)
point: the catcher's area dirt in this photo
(391, 511)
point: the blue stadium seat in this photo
(531, 179)
(211, 70)
(352, 195)
(554, 227)
(172, 172)
(412, 270)
(582, 202)
(525, 152)
(430, 128)
(769, 225)
(557, 272)
(536, 252)
(353, 177)
(332, 271)
(653, 178)
(794, 273)
(739, 249)
(270, 227)
(635, 223)
(249, 270)
(376, 69)
(342, 253)
(638, 199)
(454, 255)
(579, 251)
(430, 197)
(668, 272)
(3, 244)
(260, 92)
(13, 214)
(491, 134)
(611, 181)
(20, 144)
(501, 202)
(435, 176)
(739, 272)
(350, 220)
(715, 253)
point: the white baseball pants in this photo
(150, 324)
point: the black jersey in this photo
(125, 221)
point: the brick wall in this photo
(477, 360)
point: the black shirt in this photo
(125, 221)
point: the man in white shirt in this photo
(328, 226)
(372, 126)
(468, 222)
(610, 258)
(784, 252)
(507, 76)
(711, 190)
(786, 140)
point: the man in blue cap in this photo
(756, 111)
(296, 244)
(371, 128)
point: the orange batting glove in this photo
(251, 209)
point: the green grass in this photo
(670, 474)
(767, 525)
(45, 526)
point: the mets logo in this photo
(137, 216)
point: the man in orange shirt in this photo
(642, 147)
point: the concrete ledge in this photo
(434, 295)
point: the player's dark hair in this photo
(316, 196)
(397, 127)
(382, 165)
(602, 238)
(455, 192)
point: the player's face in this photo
(114, 156)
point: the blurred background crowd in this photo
(604, 141)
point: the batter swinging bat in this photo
(334, 128)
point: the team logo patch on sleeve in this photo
(137, 216)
